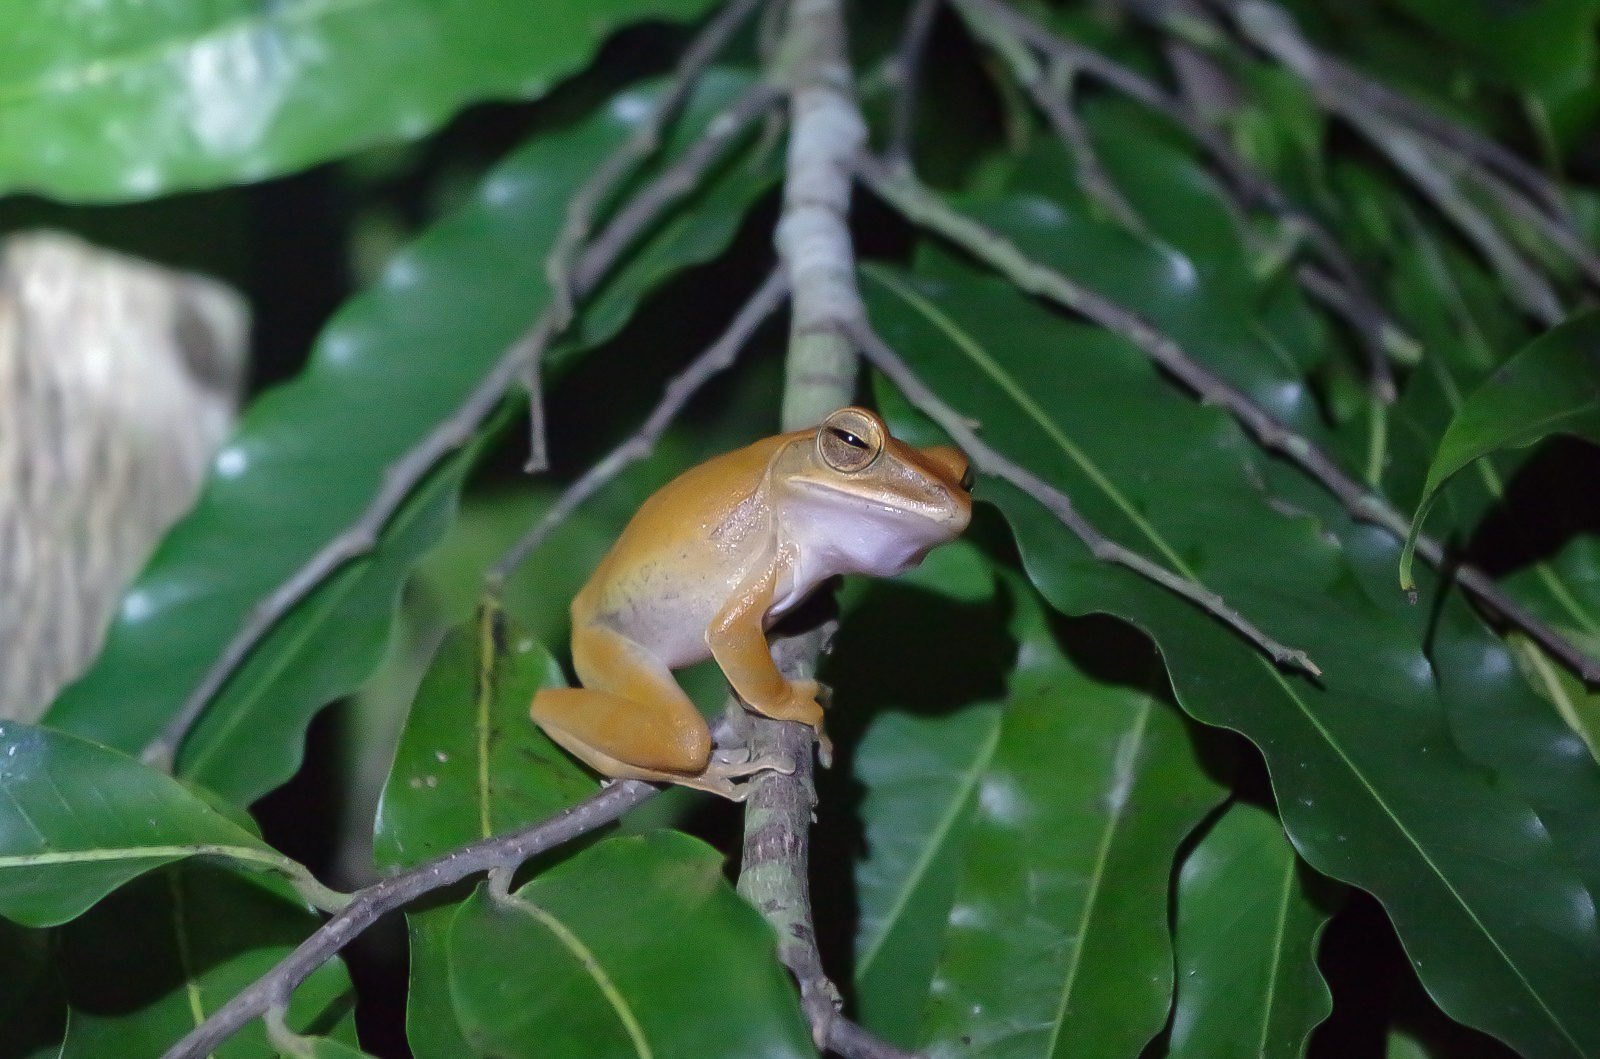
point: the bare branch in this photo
(1421, 165)
(401, 476)
(908, 74)
(923, 208)
(1003, 27)
(372, 902)
(645, 141)
(716, 357)
(853, 1042)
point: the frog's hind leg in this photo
(630, 719)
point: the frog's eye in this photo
(849, 440)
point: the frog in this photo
(711, 561)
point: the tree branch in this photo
(505, 852)
(908, 76)
(927, 210)
(716, 357)
(1006, 29)
(401, 476)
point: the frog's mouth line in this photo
(917, 511)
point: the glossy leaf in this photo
(1249, 915)
(1369, 781)
(1057, 941)
(922, 777)
(1565, 592)
(470, 764)
(79, 820)
(309, 456)
(636, 946)
(1552, 386)
(166, 96)
(1546, 47)
(151, 961)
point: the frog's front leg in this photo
(738, 641)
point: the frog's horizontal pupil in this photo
(847, 437)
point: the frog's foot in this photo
(719, 775)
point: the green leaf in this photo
(471, 763)
(1551, 386)
(1489, 897)
(635, 947)
(1565, 593)
(79, 820)
(922, 776)
(172, 95)
(1057, 941)
(1545, 47)
(1249, 915)
(146, 965)
(311, 454)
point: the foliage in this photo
(1070, 813)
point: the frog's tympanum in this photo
(712, 560)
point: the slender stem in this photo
(927, 210)
(371, 903)
(908, 75)
(716, 357)
(1381, 337)
(1103, 548)
(645, 141)
(401, 476)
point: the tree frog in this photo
(712, 560)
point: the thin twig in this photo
(716, 357)
(1103, 548)
(1422, 166)
(1561, 236)
(401, 476)
(372, 902)
(908, 76)
(645, 141)
(707, 45)
(851, 1041)
(923, 208)
(996, 22)
(1378, 111)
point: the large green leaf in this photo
(471, 763)
(150, 962)
(635, 947)
(1552, 386)
(133, 99)
(311, 454)
(1057, 941)
(1370, 782)
(1249, 914)
(922, 776)
(79, 820)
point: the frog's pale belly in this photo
(671, 619)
